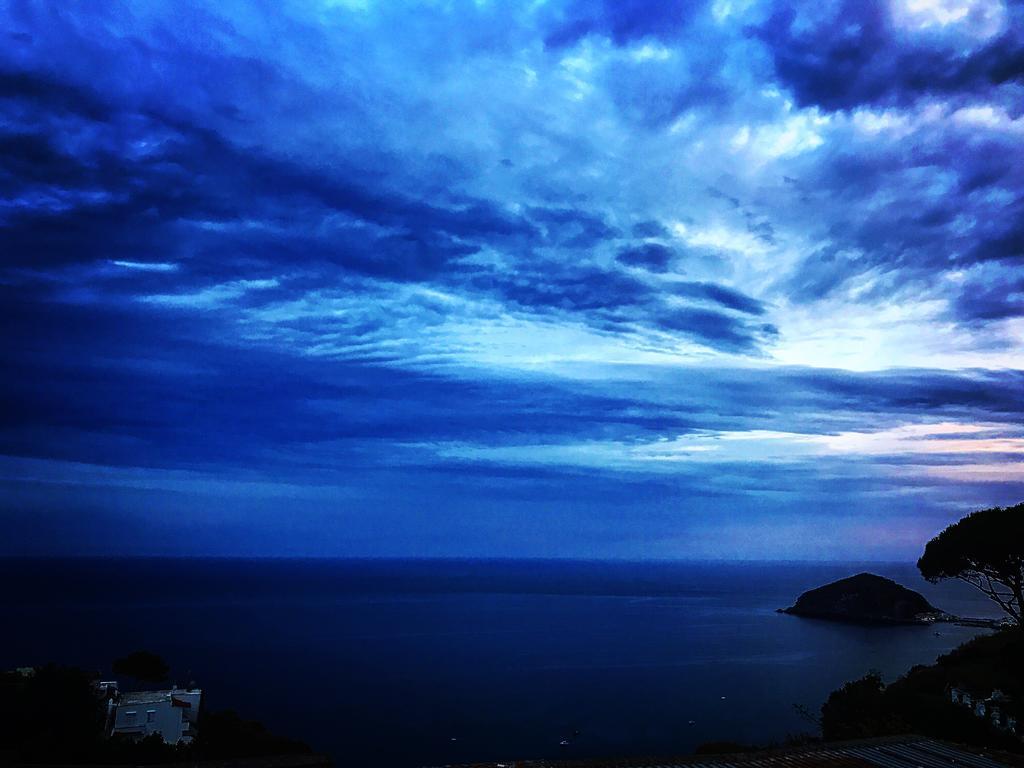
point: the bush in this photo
(859, 710)
(52, 715)
(142, 665)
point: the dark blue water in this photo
(412, 663)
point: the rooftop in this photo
(274, 761)
(896, 752)
(153, 697)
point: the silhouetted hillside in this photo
(865, 598)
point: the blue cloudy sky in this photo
(736, 278)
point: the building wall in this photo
(140, 719)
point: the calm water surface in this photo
(409, 663)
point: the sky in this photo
(563, 278)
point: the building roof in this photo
(897, 752)
(273, 761)
(131, 698)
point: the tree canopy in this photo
(984, 549)
(860, 710)
(51, 714)
(142, 665)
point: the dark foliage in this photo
(55, 715)
(150, 750)
(858, 710)
(142, 665)
(52, 715)
(919, 702)
(987, 662)
(722, 748)
(984, 549)
(224, 734)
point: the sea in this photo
(432, 662)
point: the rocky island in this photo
(866, 598)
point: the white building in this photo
(995, 706)
(173, 714)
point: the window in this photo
(130, 717)
(150, 715)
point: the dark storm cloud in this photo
(649, 228)
(214, 211)
(951, 201)
(122, 385)
(621, 20)
(652, 256)
(52, 95)
(28, 158)
(991, 300)
(580, 289)
(820, 273)
(114, 205)
(313, 248)
(966, 394)
(184, 201)
(611, 299)
(720, 294)
(718, 329)
(853, 56)
(570, 227)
